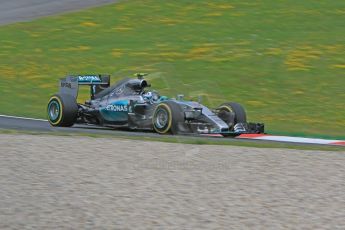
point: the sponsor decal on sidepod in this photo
(117, 108)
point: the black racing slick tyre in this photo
(237, 109)
(168, 117)
(62, 110)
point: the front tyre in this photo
(62, 110)
(235, 109)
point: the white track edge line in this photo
(24, 118)
(288, 139)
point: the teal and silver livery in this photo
(128, 104)
(115, 111)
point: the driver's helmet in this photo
(151, 96)
(148, 96)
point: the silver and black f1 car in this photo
(128, 104)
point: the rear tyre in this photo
(238, 112)
(168, 117)
(62, 110)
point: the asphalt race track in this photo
(43, 126)
(29, 124)
(23, 10)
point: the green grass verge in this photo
(283, 60)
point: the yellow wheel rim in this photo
(60, 110)
(229, 109)
(169, 121)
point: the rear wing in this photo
(70, 84)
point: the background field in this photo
(284, 60)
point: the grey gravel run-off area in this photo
(94, 183)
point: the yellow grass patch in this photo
(139, 53)
(30, 73)
(239, 53)
(56, 29)
(169, 21)
(9, 42)
(88, 24)
(300, 58)
(116, 53)
(186, 10)
(8, 47)
(203, 22)
(341, 66)
(334, 49)
(242, 43)
(120, 7)
(298, 92)
(223, 6)
(294, 64)
(309, 120)
(219, 59)
(78, 48)
(83, 48)
(214, 14)
(46, 86)
(274, 118)
(255, 103)
(7, 71)
(34, 35)
(190, 7)
(340, 11)
(122, 28)
(274, 51)
(201, 51)
(171, 54)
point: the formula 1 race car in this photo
(128, 104)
